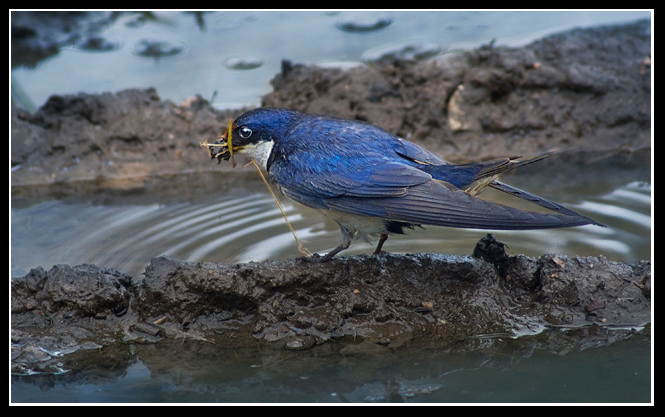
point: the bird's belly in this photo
(363, 227)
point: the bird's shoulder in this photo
(330, 157)
(320, 136)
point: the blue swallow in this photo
(373, 183)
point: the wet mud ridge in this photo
(364, 303)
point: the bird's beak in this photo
(223, 147)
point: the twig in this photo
(301, 248)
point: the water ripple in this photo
(243, 226)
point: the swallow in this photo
(373, 183)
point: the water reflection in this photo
(542, 368)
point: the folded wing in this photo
(381, 187)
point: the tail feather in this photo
(474, 177)
(542, 202)
(441, 204)
(445, 206)
(499, 166)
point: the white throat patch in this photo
(259, 152)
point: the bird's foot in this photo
(315, 258)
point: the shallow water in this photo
(230, 59)
(487, 370)
(244, 225)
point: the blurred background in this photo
(229, 57)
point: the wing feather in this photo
(441, 204)
(393, 182)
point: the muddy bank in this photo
(112, 140)
(587, 90)
(366, 304)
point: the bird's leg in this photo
(382, 240)
(347, 237)
(338, 249)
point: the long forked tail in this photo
(472, 178)
(475, 177)
(542, 202)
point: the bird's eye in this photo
(245, 132)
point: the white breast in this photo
(363, 227)
(259, 152)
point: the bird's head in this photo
(253, 134)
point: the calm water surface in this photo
(244, 225)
